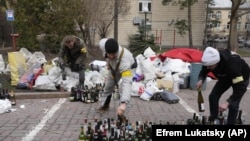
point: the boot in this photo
(105, 106)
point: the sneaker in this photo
(103, 108)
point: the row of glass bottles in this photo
(115, 130)
(86, 95)
(220, 120)
(4, 94)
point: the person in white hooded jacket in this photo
(120, 63)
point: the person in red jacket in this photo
(231, 71)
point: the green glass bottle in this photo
(82, 136)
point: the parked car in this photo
(241, 40)
(221, 39)
(247, 43)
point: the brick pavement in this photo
(58, 119)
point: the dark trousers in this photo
(107, 100)
(220, 87)
(81, 70)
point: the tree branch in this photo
(243, 13)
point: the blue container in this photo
(194, 73)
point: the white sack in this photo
(5, 105)
(69, 83)
(26, 53)
(44, 83)
(150, 89)
(139, 58)
(55, 75)
(2, 64)
(137, 88)
(175, 65)
(148, 69)
(149, 52)
(36, 57)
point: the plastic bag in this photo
(5, 105)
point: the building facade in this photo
(160, 19)
(221, 13)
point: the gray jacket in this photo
(123, 73)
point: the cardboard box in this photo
(165, 84)
(170, 85)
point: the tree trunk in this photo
(116, 20)
(190, 25)
(233, 41)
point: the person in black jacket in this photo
(231, 71)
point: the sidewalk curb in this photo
(41, 95)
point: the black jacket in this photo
(229, 67)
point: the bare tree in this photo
(184, 25)
(233, 36)
(106, 14)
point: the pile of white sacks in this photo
(153, 75)
(157, 75)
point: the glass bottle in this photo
(95, 136)
(72, 94)
(78, 94)
(112, 134)
(12, 98)
(221, 118)
(82, 136)
(7, 94)
(1, 94)
(200, 101)
(204, 120)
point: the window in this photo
(228, 25)
(218, 14)
(248, 17)
(247, 26)
(209, 25)
(217, 25)
(238, 25)
(143, 3)
(229, 15)
(209, 16)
